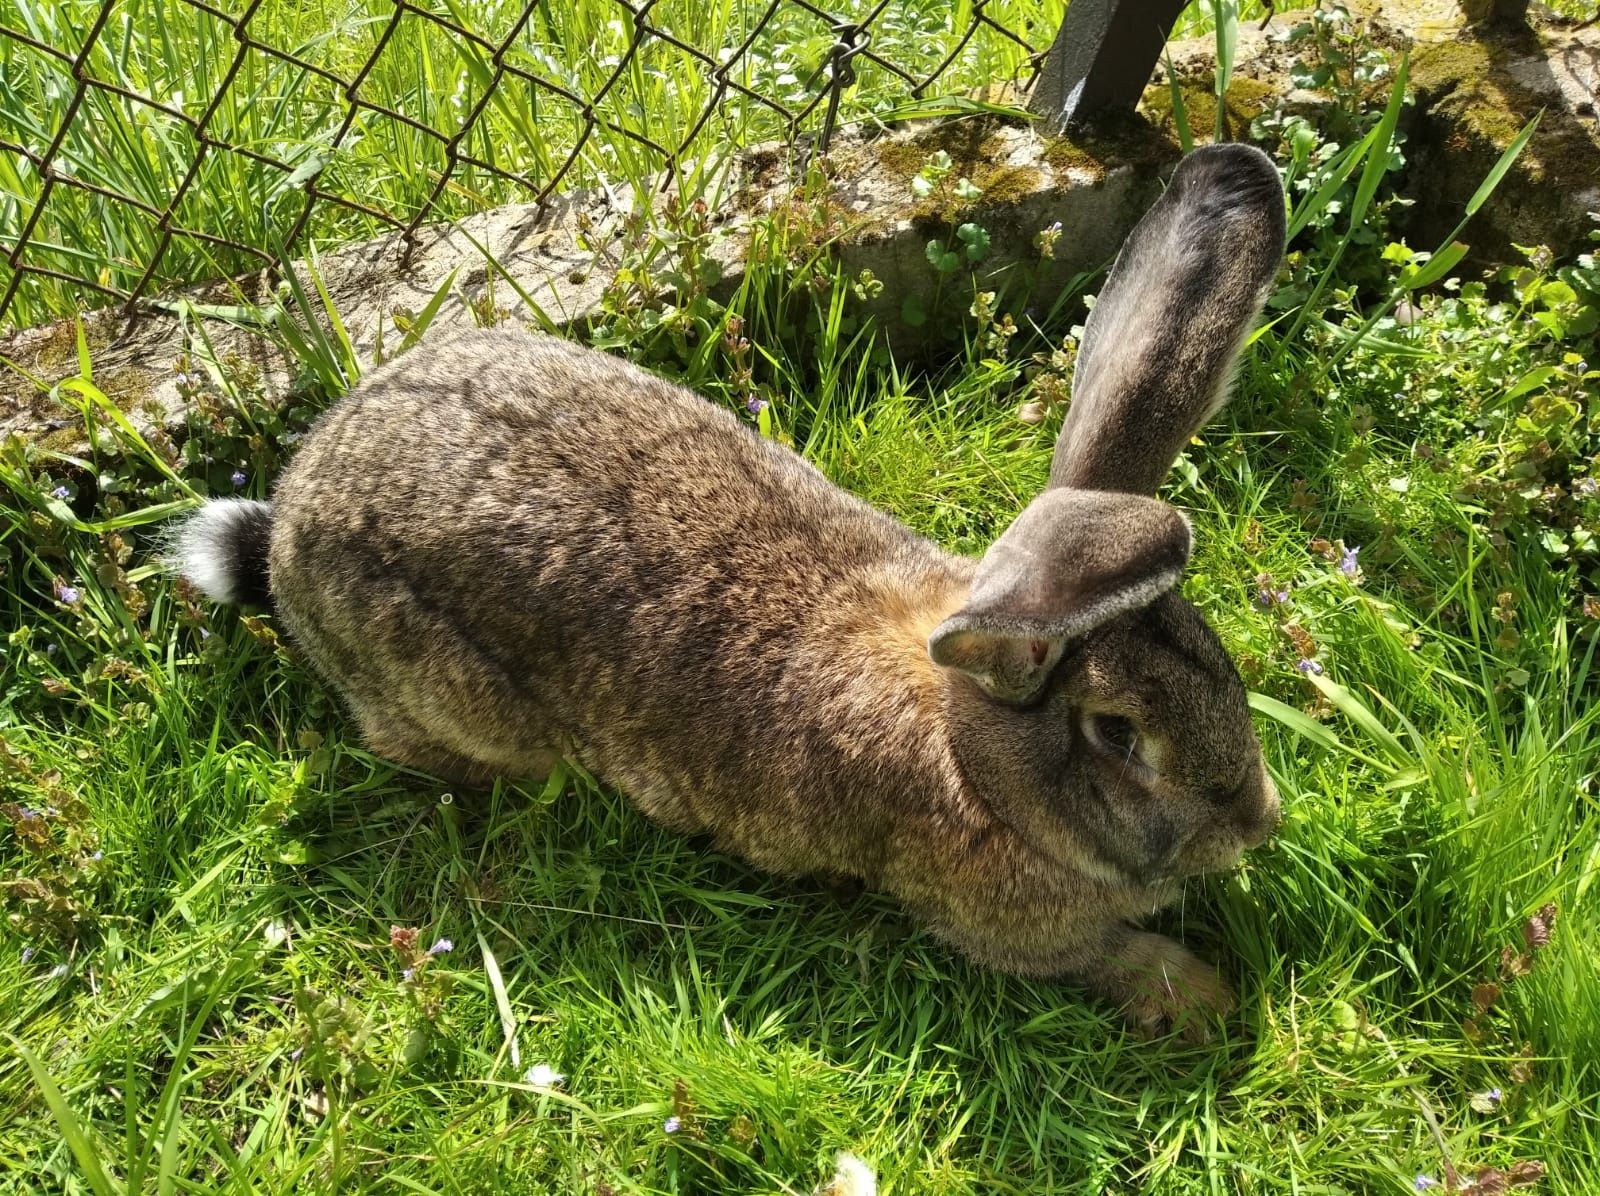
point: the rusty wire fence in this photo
(148, 143)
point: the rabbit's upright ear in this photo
(1160, 343)
(1072, 560)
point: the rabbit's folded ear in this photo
(1161, 340)
(1072, 560)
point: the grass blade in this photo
(1498, 171)
(1358, 712)
(502, 1002)
(72, 1130)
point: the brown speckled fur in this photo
(502, 547)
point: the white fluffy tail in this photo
(222, 549)
(851, 1177)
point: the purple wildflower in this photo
(671, 1125)
(238, 477)
(755, 405)
(1267, 598)
(204, 634)
(1423, 1182)
(1347, 563)
(407, 974)
(27, 954)
(294, 1055)
(97, 856)
(30, 815)
(61, 492)
(442, 947)
(68, 595)
(51, 649)
(1311, 668)
(1586, 487)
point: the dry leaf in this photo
(1490, 1182)
(1536, 930)
(1513, 965)
(1526, 1173)
(1522, 1069)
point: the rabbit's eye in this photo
(1115, 733)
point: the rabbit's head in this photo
(1094, 707)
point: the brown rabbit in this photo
(505, 548)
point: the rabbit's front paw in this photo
(1164, 987)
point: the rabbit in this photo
(506, 549)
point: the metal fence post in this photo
(1102, 58)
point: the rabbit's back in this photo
(507, 543)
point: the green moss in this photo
(1462, 75)
(972, 145)
(53, 357)
(901, 160)
(1007, 184)
(1469, 108)
(1462, 82)
(58, 351)
(1245, 99)
(1069, 153)
(128, 387)
(1113, 140)
(976, 149)
(1000, 185)
(64, 440)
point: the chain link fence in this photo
(147, 143)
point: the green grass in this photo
(200, 868)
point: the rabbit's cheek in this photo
(1138, 844)
(1160, 842)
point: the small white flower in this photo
(542, 1075)
(276, 933)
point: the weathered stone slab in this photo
(562, 258)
